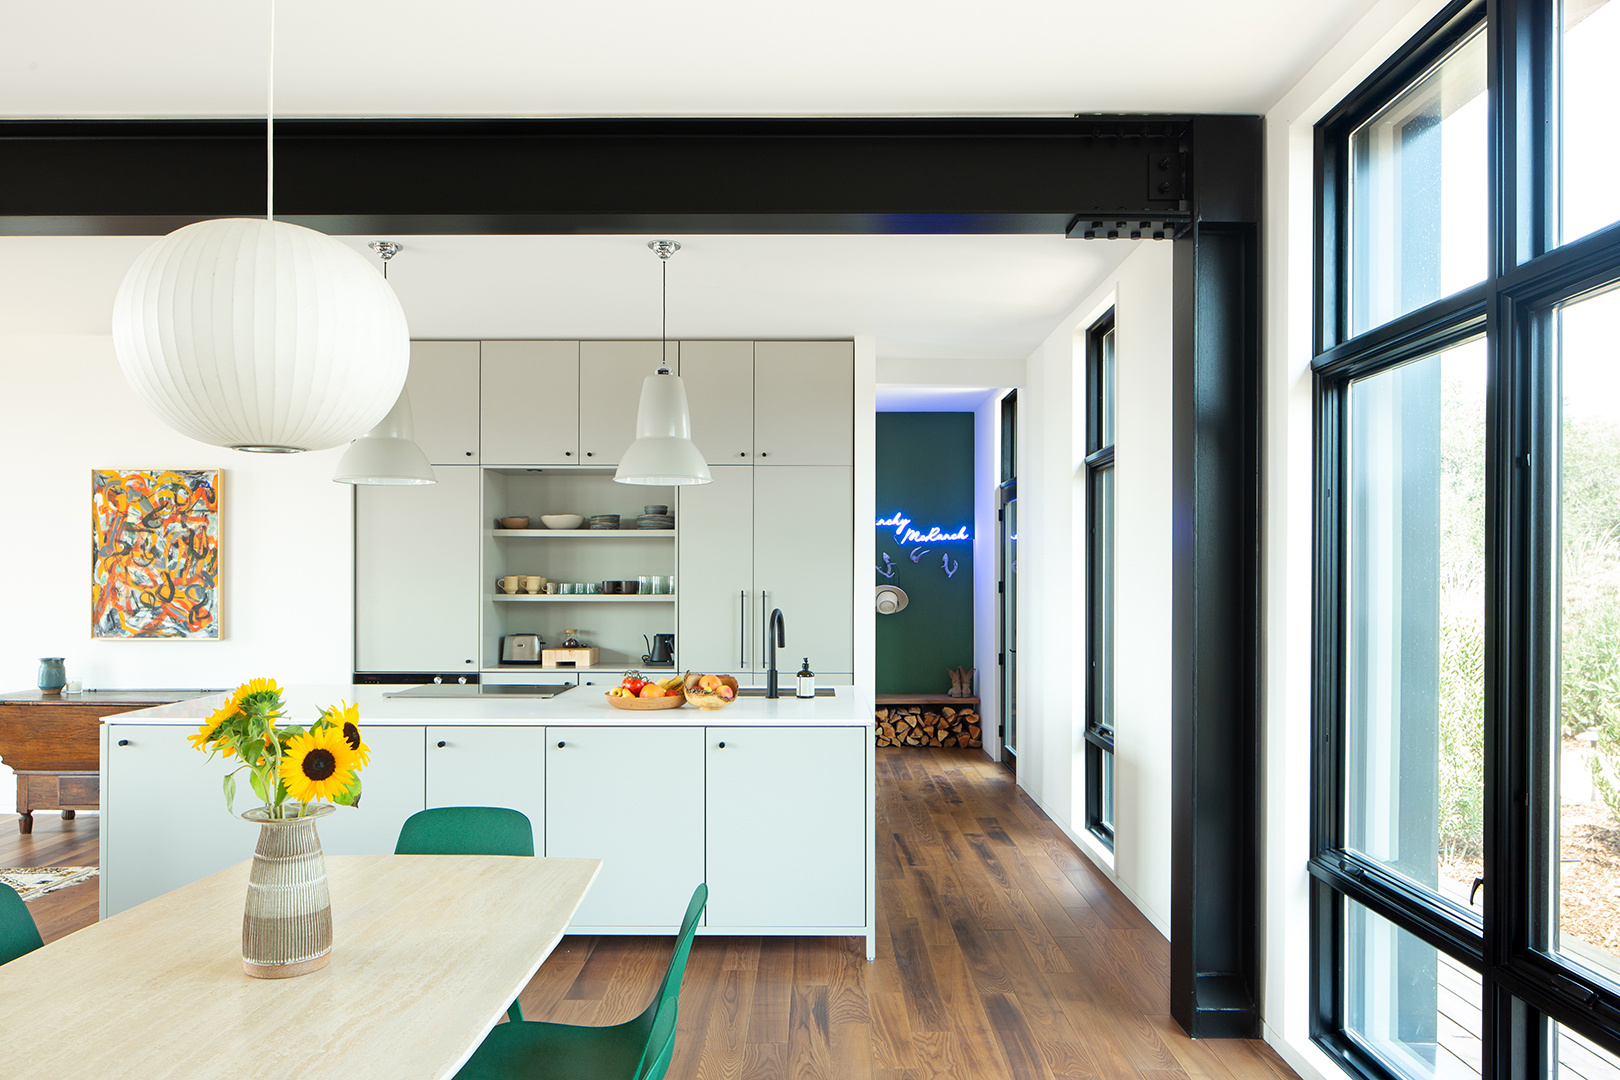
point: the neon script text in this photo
(903, 534)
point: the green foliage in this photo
(1462, 737)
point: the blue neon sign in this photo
(904, 534)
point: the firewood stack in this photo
(928, 725)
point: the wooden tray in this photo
(646, 704)
(575, 658)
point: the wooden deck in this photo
(1002, 953)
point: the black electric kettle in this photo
(660, 650)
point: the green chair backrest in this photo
(466, 830)
(661, 1036)
(18, 934)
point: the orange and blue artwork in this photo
(155, 554)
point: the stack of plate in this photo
(655, 517)
(604, 521)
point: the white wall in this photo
(1051, 500)
(286, 560)
(1286, 500)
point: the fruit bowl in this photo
(709, 697)
(562, 521)
(646, 704)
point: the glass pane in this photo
(1587, 873)
(1417, 192)
(1574, 1058)
(1590, 86)
(1415, 619)
(1107, 814)
(1106, 380)
(1102, 581)
(1407, 1003)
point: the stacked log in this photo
(928, 725)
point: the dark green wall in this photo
(925, 472)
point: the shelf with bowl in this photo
(582, 534)
(582, 598)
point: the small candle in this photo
(75, 686)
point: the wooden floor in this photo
(1001, 953)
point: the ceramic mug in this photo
(512, 583)
(532, 584)
(552, 588)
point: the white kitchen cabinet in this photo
(719, 381)
(610, 378)
(443, 385)
(804, 564)
(786, 827)
(715, 555)
(528, 395)
(804, 402)
(632, 797)
(490, 766)
(416, 586)
(163, 816)
(390, 791)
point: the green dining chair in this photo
(468, 830)
(638, 1049)
(18, 934)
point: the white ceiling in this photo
(112, 58)
(925, 297)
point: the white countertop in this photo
(581, 705)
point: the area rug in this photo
(32, 881)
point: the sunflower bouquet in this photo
(320, 762)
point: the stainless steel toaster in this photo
(521, 649)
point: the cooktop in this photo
(467, 690)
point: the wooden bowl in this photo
(704, 699)
(514, 523)
(645, 704)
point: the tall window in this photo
(1100, 579)
(1466, 781)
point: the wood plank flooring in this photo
(1002, 952)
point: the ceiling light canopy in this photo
(260, 335)
(663, 453)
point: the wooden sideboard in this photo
(53, 743)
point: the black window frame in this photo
(1099, 739)
(1528, 275)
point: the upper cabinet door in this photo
(719, 380)
(610, 376)
(804, 563)
(416, 591)
(443, 385)
(529, 401)
(804, 402)
(716, 563)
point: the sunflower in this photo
(210, 727)
(317, 765)
(344, 717)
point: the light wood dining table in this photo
(428, 951)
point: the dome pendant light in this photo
(663, 453)
(261, 335)
(387, 454)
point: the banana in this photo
(674, 682)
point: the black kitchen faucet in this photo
(775, 637)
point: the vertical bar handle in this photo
(765, 625)
(742, 629)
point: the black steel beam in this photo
(571, 176)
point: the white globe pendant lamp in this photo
(260, 335)
(663, 453)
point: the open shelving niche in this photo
(613, 624)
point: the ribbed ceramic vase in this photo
(287, 926)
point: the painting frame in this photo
(156, 543)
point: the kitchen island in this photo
(769, 801)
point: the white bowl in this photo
(562, 521)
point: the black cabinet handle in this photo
(568, 453)
(559, 745)
(722, 746)
(763, 454)
(123, 742)
(588, 454)
(441, 743)
(469, 453)
(743, 454)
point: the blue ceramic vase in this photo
(52, 676)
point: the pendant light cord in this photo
(663, 364)
(270, 124)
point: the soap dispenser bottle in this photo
(807, 681)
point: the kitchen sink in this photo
(786, 692)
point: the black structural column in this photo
(1196, 178)
(1215, 581)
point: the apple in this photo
(725, 691)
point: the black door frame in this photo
(1196, 179)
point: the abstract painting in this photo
(155, 554)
